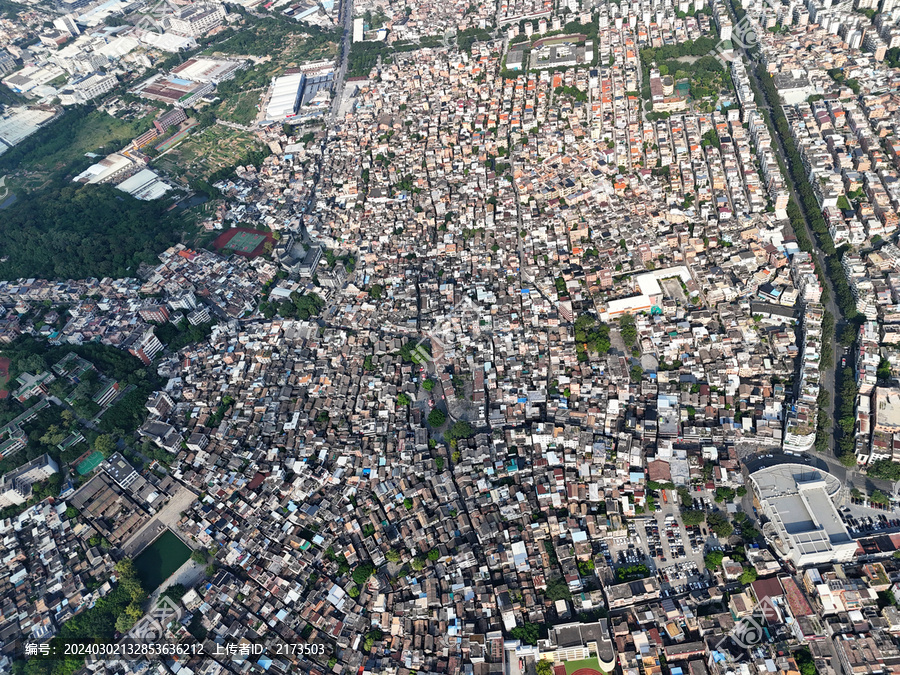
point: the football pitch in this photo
(89, 464)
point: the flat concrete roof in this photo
(800, 503)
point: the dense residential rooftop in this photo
(539, 362)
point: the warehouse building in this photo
(173, 91)
(287, 91)
(205, 69)
(144, 185)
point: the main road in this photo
(827, 377)
(340, 76)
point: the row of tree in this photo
(846, 414)
(810, 204)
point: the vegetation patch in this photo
(240, 107)
(212, 154)
(71, 231)
(62, 144)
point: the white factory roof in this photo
(118, 47)
(19, 123)
(168, 42)
(106, 167)
(145, 185)
(96, 15)
(204, 69)
(284, 98)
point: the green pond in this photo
(159, 560)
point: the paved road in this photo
(235, 125)
(340, 76)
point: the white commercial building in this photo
(67, 24)
(86, 88)
(804, 524)
(650, 292)
(197, 20)
(15, 486)
(31, 78)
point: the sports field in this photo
(4, 376)
(93, 460)
(174, 138)
(583, 667)
(243, 241)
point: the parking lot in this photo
(627, 547)
(672, 551)
(863, 521)
(679, 548)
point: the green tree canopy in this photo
(692, 517)
(713, 559)
(436, 418)
(719, 524)
(362, 573)
(458, 430)
(558, 589)
(527, 633)
(592, 334)
(105, 445)
(70, 231)
(628, 329)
